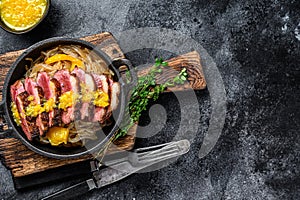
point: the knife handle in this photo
(72, 191)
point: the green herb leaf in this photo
(164, 64)
(147, 89)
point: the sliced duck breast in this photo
(99, 115)
(63, 77)
(55, 88)
(29, 125)
(43, 80)
(80, 74)
(32, 89)
(19, 97)
(88, 82)
(114, 91)
(55, 114)
(102, 84)
(89, 88)
(67, 83)
(68, 115)
(15, 89)
(114, 95)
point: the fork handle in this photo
(72, 191)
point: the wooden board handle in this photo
(192, 62)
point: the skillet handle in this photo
(128, 74)
(9, 131)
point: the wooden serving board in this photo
(23, 162)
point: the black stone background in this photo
(255, 46)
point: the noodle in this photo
(93, 63)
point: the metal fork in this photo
(144, 155)
(123, 167)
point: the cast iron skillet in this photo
(17, 72)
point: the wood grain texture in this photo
(192, 62)
(105, 41)
(22, 161)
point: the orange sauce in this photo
(22, 14)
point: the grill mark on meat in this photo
(55, 114)
(45, 121)
(91, 111)
(57, 118)
(68, 116)
(35, 131)
(108, 109)
(32, 89)
(45, 91)
(77, 114)
(27, 127)
(40, 93)
(57, 89)
(24, 98)
(43, 117)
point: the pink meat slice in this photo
(15, 89)
(90, 87)
(43, 80)
(87, 79)
(68, 115)
(54, 115)
(99, 115)
(114, 91)
(32, 89)
(114, 95)
(63, 77)
(80, 74)
(102, 84)
(84, 110)
(66, 83)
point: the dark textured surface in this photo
(256, 48)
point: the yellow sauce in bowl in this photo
(20, 15)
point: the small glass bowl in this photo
(10, 30)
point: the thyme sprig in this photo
(145, 90)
